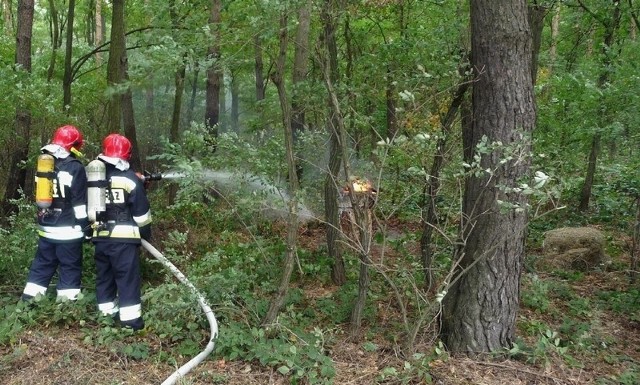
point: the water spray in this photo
(213, 324)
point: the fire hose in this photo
(213, 324)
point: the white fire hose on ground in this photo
(184, 369)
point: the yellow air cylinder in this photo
(44, 180)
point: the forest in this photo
(372, 192)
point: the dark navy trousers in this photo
(118, 281)
(65, 258)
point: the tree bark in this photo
(390, 97)
(16, 174)
(194, 93)
(7, 15)
(292, 222)
(480, 308)
(235, 102)
(537, 14)
(214, 75)
(555, 32)
(114, 66)
(66, 82)
(55, 37)
(331, 182)
(432, 187)
(300, 68)
(610, 25)
(99, 33)
(259, 68)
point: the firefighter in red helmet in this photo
(127, 219)
(61, 196)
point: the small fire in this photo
(360, 185)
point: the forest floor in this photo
(58, 355)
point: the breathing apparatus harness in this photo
(49, 196)
(99, 188)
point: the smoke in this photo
(273, 201)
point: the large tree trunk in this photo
(480, 308)
(610, 25)
(214, 73)
(16, 175)
(292, 222)
(300, 65)
(66, 82)
(114, 66)
(331, 182)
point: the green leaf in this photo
(283, 369)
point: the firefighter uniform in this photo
(117, 239)
(61, 226)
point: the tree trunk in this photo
(99, 33)
(16, 174)
(331, 182)
(128, 112)
(128, 120)
(55, 37)
(66, 82)
(390, 97)
(480, 308)
(7, 15)
(611, 25)
(194, 93)
(360, 204)
(117, 51)
(174, 132)
(259, 68)
(536, 21)
(429, 212)
(300, 65)
(555, 32)
(235, 103)
(292, 222)
(635, 248)
(212, 109)
(351, 94)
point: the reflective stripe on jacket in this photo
(65, 219)
(127, 207)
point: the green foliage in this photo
(294, 353)
(622, 302)
(535, 294)
(545, 350)
(18, 244)
(415, 369)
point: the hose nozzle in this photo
(149, 176)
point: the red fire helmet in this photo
(116, 146)
(67, 137)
